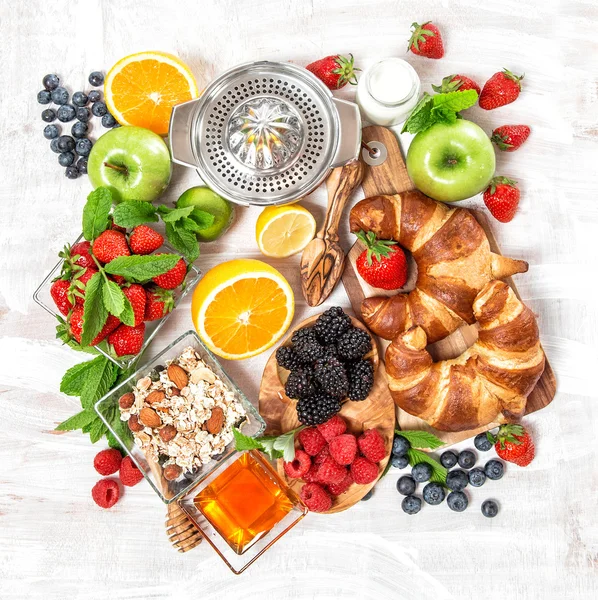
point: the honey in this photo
(244, 502)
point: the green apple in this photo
(451, 162)
(207, 200)
(132, 161)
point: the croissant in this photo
(453, 260)
(490, 381)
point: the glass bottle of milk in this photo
(388, 91)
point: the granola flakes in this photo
(187, 410)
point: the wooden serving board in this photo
(389, 178)
(376, 411)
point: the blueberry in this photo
(489, 508)
(399, 462)
(494, 469)
(448, 459)
(421, 472)
(83, 147)
(94, 96)
(79, 98)
(457, 501)
(54, 146)
(433, 493)
(48, 115)
(71, 172)
(60, 96)
(99, 109)
(44, 97)
(467, 459)
(457, 480)
(83, 114)
(406, 485)
(400, 445)
(477, 477)
(82, 166)
(482, 443)
(411, 505)
(66, 113)
(66, 143)
(79, 130)
(368, 495)
(108, 121)
(96, 78)
(66, 159)
(51, 132)
(50, 82)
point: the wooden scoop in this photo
(323, 259)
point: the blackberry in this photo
(361, 380)
(317, 409)
(353, 344)
(287, 358)
(299, 385)
(306, 345)
(331, 324)
(330, 373)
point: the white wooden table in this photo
(55, 543)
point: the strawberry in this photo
(514, 444)
(144, 240)
(502, 198)
(127, 340)
(454, 83)
(136, 296)
(80, 283)
(59, 290)
(501, 89)
(76, 326)
(335, 71)
(387, 268)
(118, 279)
(510, 137)
(426, 40)
(113, 225)
(82, 250)
(109, 245)
(159, 302)
(173, 278)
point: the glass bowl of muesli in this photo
(175, 416)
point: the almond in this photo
(155, 396)
(178, 376)
(167, 433)
(175, 391)
(134, 424)
(149, 418)
(214, 423)
(126, 400)
(171, 472)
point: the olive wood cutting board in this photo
(391, 177)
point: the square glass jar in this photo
(108, 410)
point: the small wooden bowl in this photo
(376, 411)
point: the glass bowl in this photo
(109, 411)
(44, 299)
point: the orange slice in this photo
(142, 88)
(242, 307)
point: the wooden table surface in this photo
(55, 543)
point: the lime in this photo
(205, 199)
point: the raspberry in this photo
(312, 475)
(343, 448)
(321, 456)
(105, 493)
(331, 472)
(107, 461)
(130, 475)
(299, 466)
(332, 428)
(336, 489)
(372, 445)
(315, 497)
(311, 440)
(363, 470)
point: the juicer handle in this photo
(350, 132)
(179, 134)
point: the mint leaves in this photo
(439, 473)
(421, 439)
(424, 439)
(96, 213)
(281, 446)
(142, 268)
(94, 311)
(131, 213)
(440, 108)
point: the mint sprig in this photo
(274, 446)
(421, 439)
(94, 311)
(131, 213)
(96, 213)
(142, 268)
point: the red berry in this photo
(343, 448)
(510, 137)
(135, 293)
(382, 264)
(336, 489)
(110, 244)
(59, 290)
(107, 461)
(299, 466)
(335, 71)
(311, 440)
(502, 198)
(76, 326)
(426, 40)
(173, 278)
(127, 340)
(364, 470)
(130, 475)
(454, 83)
(312, 475)
(79, 284)
(332, 428)
(331, 472)
(501, 89)
(322, 455)
(144, 240)
(105, 493)
(514, 444)
(315, 497)
(159, 303)
(83, 250)
(371, 444)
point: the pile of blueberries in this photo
(73, 149)
(456, 481)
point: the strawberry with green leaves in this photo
(109, 245)
(144, 240)
(135, 293)
(513, 443)
(76, 326)
(502, 198)
(426, 40)
(454, 83)
(127, 340)
(382, 264)
(501, 89)
(158, 304)
(173, 278)
(510, 137)
(335, 71)
(60, 292)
